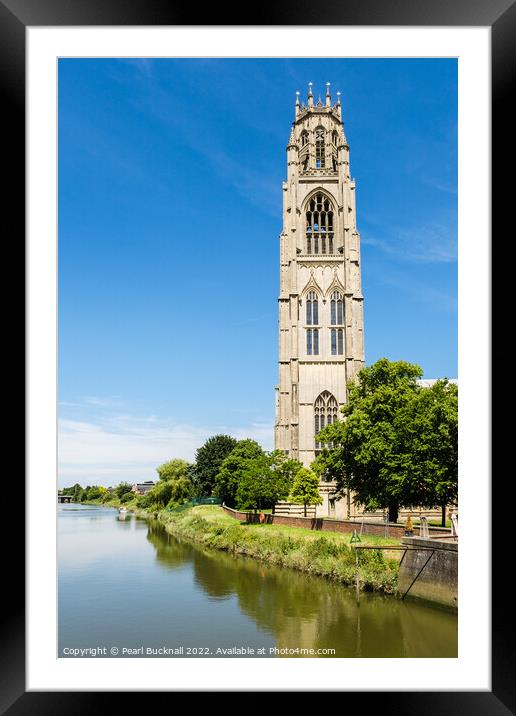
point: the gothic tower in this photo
(321, 335)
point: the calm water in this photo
(127, 584)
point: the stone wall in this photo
(435, 572)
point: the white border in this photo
(471, 670)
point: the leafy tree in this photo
(382, 450)
(75, 491)
(181, 492)
(82, 495)
(284, 470)
(96, 492)
(175, 490)
(265, 480)
(122, 488)
(127, 497)
(305, 490)
(233, 469)
(144, 501)
(173, 469)
(253, 486)
(427, 428)
(208, 461)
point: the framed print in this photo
(155, 192)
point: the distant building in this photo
(142, 488)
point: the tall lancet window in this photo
(319, 225)
(312, 309)
(319, 148)
(325, 413)
(337, 319)
(312, 341)
(336, 309)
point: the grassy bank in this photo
(324, 554)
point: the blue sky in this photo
(170, 196)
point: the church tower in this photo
(321, 333)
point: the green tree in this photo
(173, 491)
(181, 492)
(74, 491)
(284, 470)
(427, 428)
(208, 461)
(377, 449)
(233, 468)
(255, 488)
(95, 492)
(173, 469)
(82, 495)
(122, 488)
(305, 489)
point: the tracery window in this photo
(319, 148)
(319, 225)
(312, 309)
(304, 137)
(325, 413)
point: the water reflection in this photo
(311, 612)
(129, 583)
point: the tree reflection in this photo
(306, 611)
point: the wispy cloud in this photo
(130, 447)
(261, 188)
(142, 64)
(446, 187)
(103, 402)
(430, 243)
(417, 290)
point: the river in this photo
(129, 589)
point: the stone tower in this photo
(321, 334)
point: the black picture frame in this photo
(500, 15)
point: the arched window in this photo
(319, 225)
(312, 341)
(337, 341)
(304, 137)
(325, 413)
(319, 148)
(336, 309)
(334, 138)
(312, 309)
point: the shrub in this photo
(144, 501)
